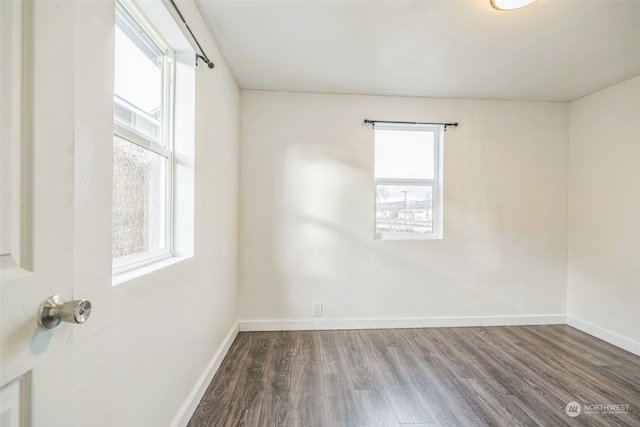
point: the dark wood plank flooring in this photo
(496, 376)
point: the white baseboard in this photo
(189, 407)
(605, 335)
(427, 322)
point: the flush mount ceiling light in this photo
(510, 4)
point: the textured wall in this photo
(149, 340)
(604, 214)
(307, 198)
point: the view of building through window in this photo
(404, 209)
(138, 84)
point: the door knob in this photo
(54, 310)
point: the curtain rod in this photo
(373, 122)
(200, 55)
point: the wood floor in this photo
(496, 376)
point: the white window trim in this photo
(163, 148)
(437, 184)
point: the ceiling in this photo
(552, 50)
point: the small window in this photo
(143, 159)
(408, 175)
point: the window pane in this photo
(139, 199)
(404, 209)
(138, 78)
(404, 154)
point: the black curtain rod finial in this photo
(206, 61)
(201, 55)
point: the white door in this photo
(37, 229)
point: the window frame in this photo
(436, 183)
(163, 147)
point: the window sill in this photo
(401, 236)
(149, 268)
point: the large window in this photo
(143, 159)
(408, 175)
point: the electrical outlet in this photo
(317, 309)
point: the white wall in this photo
(307, 215)
(149, 341)
(307, 200)
(604, 214)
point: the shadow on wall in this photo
(322, 248)
(322, 244)
(314, 219)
